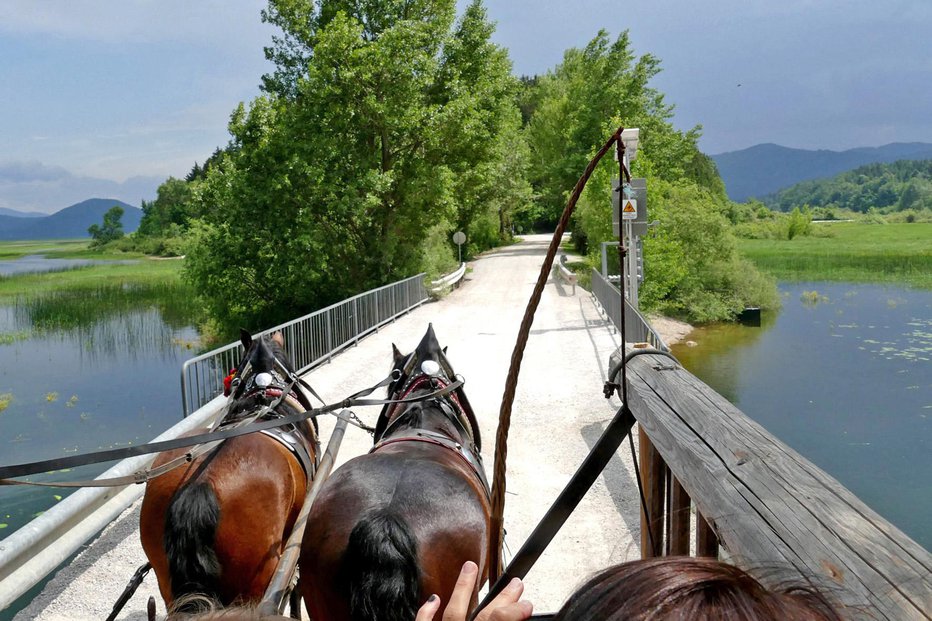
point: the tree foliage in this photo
(386, 128)
(110, 230)
(692, 267)
(898, 186)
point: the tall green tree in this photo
(393, 132)
(110, 230)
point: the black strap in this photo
(19, 470)
(566, 502)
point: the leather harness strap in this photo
(472, 458)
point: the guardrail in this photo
(566, 273)
(311, 339)
(637, 327)
(450, 280)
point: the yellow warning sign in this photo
(629, 209)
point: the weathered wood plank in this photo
(769, 506)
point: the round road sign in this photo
(459, 238)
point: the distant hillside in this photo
(766, 168)
(901, 185)
(20, 214)
(69, 223)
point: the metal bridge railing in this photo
(637, 327)
(311, 339)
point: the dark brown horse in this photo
(218, 525)
(394, 526)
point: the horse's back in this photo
(423, 492)
(257, 488)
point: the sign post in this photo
(459, 238)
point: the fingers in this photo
(429, 609)
(506, 605)
(458, 608)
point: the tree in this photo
(584, 99)
(383, 131)
(110, 230)
(173, 206)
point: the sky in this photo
(107, 98)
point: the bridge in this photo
(715, 482)
(559, 412)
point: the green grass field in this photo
(146, 272)
(855, 252)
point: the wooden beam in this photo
(769, 506)
(679, 519)
(652, 480)
(706, 541)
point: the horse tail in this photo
(382, 569)
(190, 529)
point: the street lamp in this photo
(630, 137)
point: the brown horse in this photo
(218, 525)
(394, 526)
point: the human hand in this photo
(507, 605)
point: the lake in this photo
(85, 371)
(842, 374)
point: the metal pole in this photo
(273, 602)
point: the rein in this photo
(211, 437)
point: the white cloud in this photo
(33, 186)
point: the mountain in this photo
(69, 223)
(20, 214)
(766, 168)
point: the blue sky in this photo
(102, 98)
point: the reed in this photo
(850, 252)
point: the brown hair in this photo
(697, 589)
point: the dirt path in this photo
(558, 414)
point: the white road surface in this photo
(558, 414)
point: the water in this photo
(37, 263)
(86, 371)
(842, 374)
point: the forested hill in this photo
(767, 168)
(69, 223)
(887, 187)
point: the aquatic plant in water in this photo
(5, 399)
(813, 298)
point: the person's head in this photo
(697, 589)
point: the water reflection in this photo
(83, 371)
(842, 375)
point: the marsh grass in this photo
(91, 277)
(60, 249)
(890, 253)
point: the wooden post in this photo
(706, 541)
(679, 520)
(652, 475)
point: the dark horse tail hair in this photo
(190, 529)
(381, 569)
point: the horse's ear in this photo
(396, 355)
(445, 350)
(245, 338)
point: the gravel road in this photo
(558, 414)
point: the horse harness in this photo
(269, 392)
(453, 410)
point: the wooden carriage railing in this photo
(759, 504)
